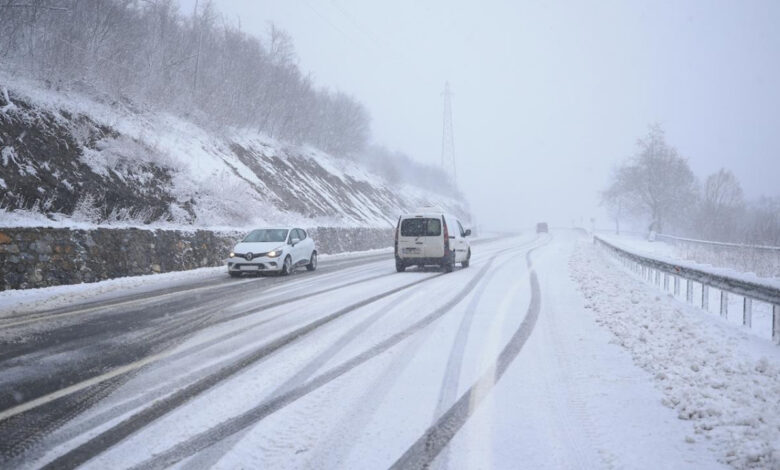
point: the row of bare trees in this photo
(657, 186)
(147, 52)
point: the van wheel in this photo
(399, 265)
(465, 262)
(448, 263)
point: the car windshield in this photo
(267, 235)
(419, 227)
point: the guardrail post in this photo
(724, 304)
(747, 312)
(705, 297)
(676, 285)
(776, 323)
(666, 282)
(689, 291)
(657, 278)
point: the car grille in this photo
(254, 255)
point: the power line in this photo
(327, 20)
(357, 26)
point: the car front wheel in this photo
(312, 261)
(286, 266)
(465, 262)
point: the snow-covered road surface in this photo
(496, 366)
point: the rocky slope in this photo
(70, 158)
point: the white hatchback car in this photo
(278, 250)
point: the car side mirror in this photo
(467, 233)
(294, 241)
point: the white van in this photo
(431, 238)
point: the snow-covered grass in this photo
(730, 261)
(720, 377)
(668, 253)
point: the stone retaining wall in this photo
(40, 257)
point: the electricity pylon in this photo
(448, 137)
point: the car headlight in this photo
(275, 253)
(232, 255)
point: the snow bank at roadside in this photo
(15, 301)
(737, 264)
(664, 252)
(722, 379)
(641, 245)
(45, 298)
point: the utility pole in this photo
(448, 137)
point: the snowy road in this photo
(354, 366)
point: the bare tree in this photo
(200, 66)
(721, 207)
(722, 189)
(616, 198)
(655, 183)
(762, 222)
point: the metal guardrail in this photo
(653, 270)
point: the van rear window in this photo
(421, 227)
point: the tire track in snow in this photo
(354, 423)
(237, 423)
(213, 454)
(53, 395)
(210, 456)
(115, 434)
(425, 449)
(148, 396)
(451, 379)
(84, 394)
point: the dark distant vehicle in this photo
(541, 227)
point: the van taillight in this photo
(397, 229)
(446, 236)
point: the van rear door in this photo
(421, 237)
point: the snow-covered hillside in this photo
(71, 158)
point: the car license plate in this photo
(411, 251)
(249, 268)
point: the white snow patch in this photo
(9, 106)
(8, 154)
(722, 379)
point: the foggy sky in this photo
(549, 96)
